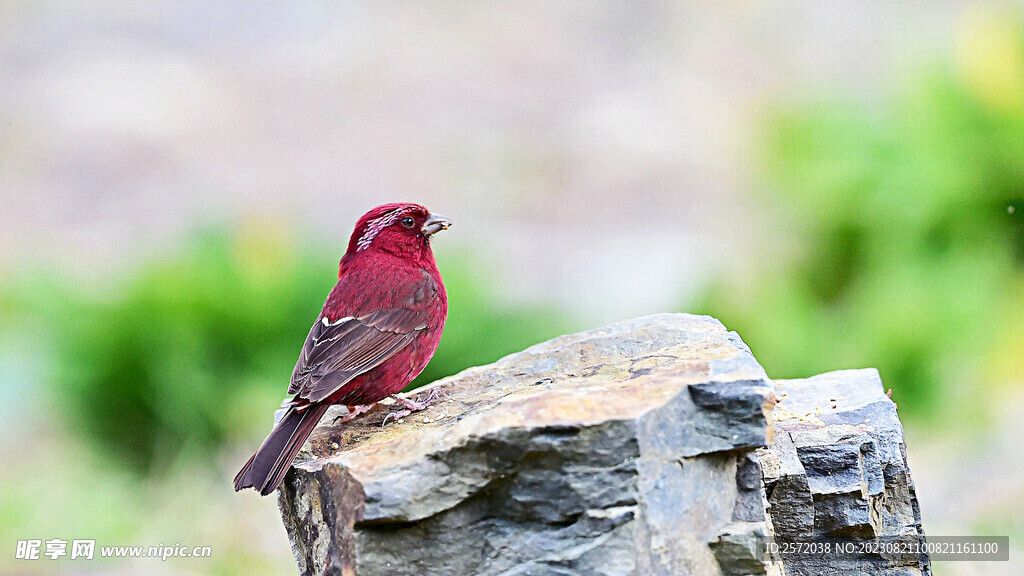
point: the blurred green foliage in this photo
(195, 347)
(908, 219)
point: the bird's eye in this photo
(408, 222)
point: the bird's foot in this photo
(353, 411)
(417, 404)
(411, 405)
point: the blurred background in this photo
(841, 182)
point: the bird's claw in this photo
(417, 405)
(396, 415)
(411, 405)
(353, 411)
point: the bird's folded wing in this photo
(336, 352)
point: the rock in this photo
(622, 450)
(836, 472)
(648, 447)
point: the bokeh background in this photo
(841, 182)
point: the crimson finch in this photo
(377, 331)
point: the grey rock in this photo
(622, 450)
(655, 446)
(740, 548)
(836, 472)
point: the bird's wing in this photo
(336, 352)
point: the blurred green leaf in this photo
(908, 247)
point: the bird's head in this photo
(402, 229)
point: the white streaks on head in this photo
(373, 227)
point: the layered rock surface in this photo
(613, 451)
(630, 449)
(836, 473)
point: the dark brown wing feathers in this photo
(336, 352)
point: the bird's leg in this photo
(353, 411)
(411, 405)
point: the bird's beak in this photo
(434, 224)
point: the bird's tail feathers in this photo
(267, 467)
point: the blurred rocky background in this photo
(840, 182)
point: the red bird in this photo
(379, 327)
